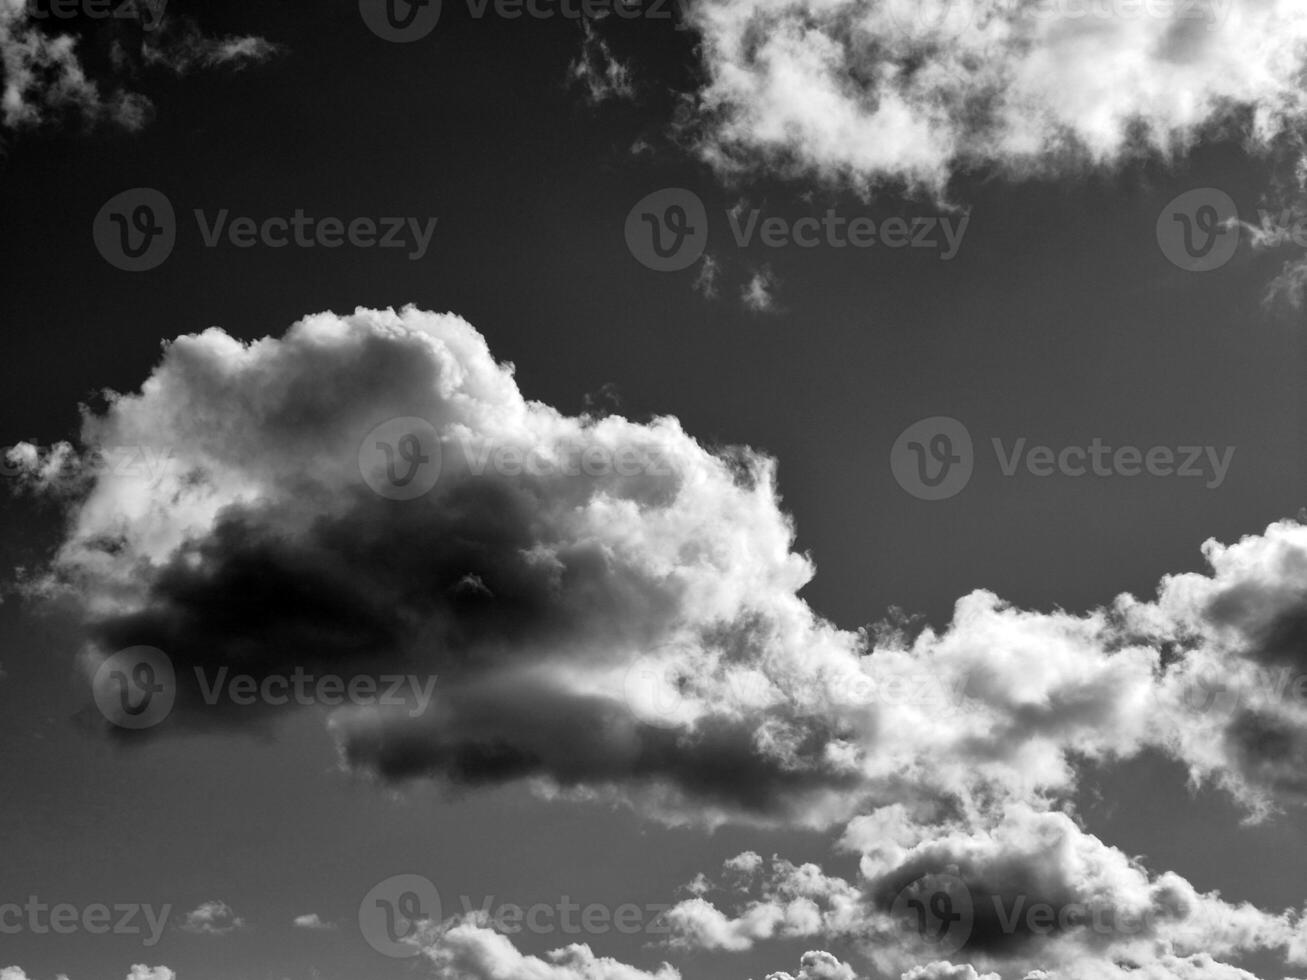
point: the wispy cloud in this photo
(45, 76)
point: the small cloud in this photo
(606, 401)
(212, 919)
(183, 47)
(1287, 290)
(142, 972)
(758, 295)
(603, 76)
(706, 280)
(313, 921)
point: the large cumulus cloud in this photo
(635, 632)
(623, 631)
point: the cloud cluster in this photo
(910, 91)
(47, 73)
(466, 949)
(628, 632)
(636, 633)
(1030, 891)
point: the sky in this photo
(698, 490)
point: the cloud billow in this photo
(636, 634)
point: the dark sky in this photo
(1059, 320)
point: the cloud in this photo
(759, 294)
(1288, 288)
(466, 950)
(212, 919)
(314, 922)
(943, 970)
(47, 73)
(910, 91)
(599, 71)
(1032, 890)
(182, 47)
(818, 965)
(636, 634)
(705, 280)
(632, 633)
